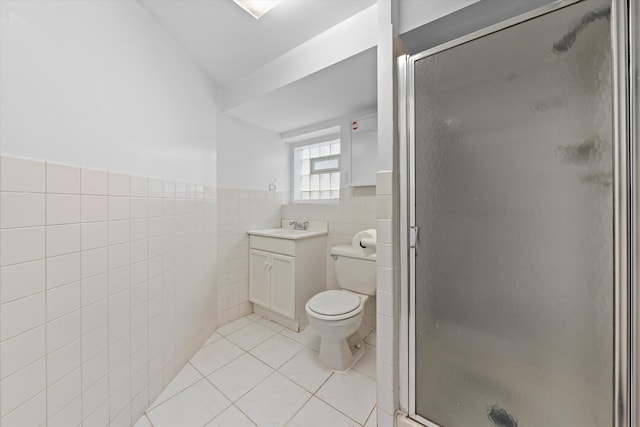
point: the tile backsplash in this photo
(107, 288)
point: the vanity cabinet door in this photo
(259, 271)
(283, 285)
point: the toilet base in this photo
(340, 355)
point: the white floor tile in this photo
(351, 392)
(143, 422)
(276, 350)
(186, 377)
(214, 356)
(213, 338)
(364, 332)
(250, 336)
(373, 419)
(194, 406)
(315, 344)
(384, 418)
(305, 370)
(371, 339)
(239, 376)
(316, 413)
(254, 317)
(264, 397)
(271, 325)
(231, 417)
(233, 326)
(305, 337)
(274, 401)
(367, 362)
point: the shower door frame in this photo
(626, 209)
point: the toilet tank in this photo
(355, 271)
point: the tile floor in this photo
(253, 372)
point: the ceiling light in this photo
(257, 8)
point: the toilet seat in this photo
(335, 305)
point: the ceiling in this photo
(346, 88)
(305, 62)
(230, 45)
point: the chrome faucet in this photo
(299, 225)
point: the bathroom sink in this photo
(287, 233)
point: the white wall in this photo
(99, 84)
(386, 75)
(107, 280)
(250, 156)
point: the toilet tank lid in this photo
(351, 252)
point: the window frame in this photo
(295, 175)
(313, 161)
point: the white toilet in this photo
(336, 315)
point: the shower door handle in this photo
(414, 236)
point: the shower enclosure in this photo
(518, 226)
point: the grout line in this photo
(44, 390)
(342, 412)
(242, 412)
(245, 393)
(224, 395)
(299, 409)
(144, 414)
(68, 404)
(98, 407)
(177, 392)
(32, 260)
(131, 373)
(46, 307)
(277, 370)
(373, 411)
(108, 311)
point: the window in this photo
(316, 171)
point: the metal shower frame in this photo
(625, 15)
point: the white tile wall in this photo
(386, 312)
(107, 288)
(240, 210)
(354, 212)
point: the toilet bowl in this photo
(336, 315)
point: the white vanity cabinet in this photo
(285, 270)
(272, 281)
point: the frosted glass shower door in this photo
(514, 199)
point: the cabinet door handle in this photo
(266, 265)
